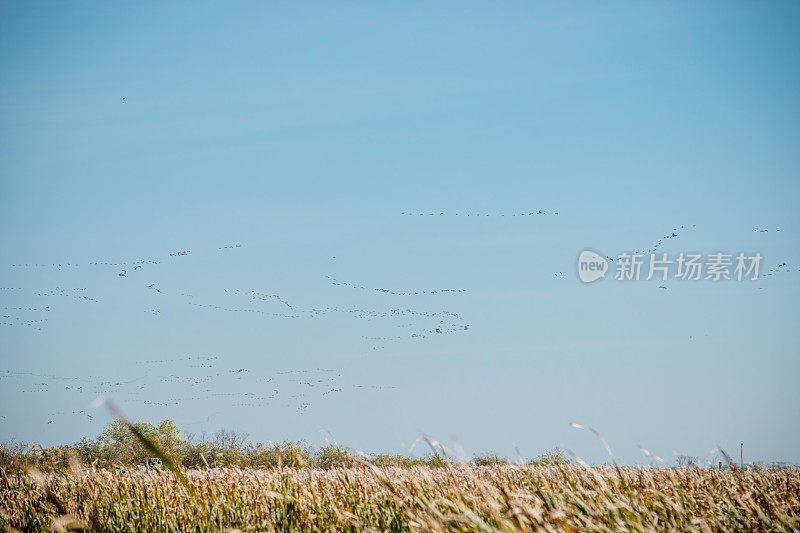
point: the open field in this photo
(450, 498)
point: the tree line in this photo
(119, 446)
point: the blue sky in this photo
(306, 134)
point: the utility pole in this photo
(741, 455)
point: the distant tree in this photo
(227, 438)
(168, 435)
(119, 433)
(332, 456)
(683, 460)
(488, 459)
(551, 457)
(393, 460)
(118, 444)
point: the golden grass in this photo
(453, 498)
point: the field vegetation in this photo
(224, 483)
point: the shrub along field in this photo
(123, 444)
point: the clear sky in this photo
(283, 146)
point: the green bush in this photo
(488, 459)
(118, 446)
(394, 460)
(333, 456)
(553, 456)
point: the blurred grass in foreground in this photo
(292, 489)
(366, 497)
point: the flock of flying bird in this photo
(783, 267)
(199, 379)
(660, 241)
(444, 214)
(394, 292)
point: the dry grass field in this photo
(370, 498)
